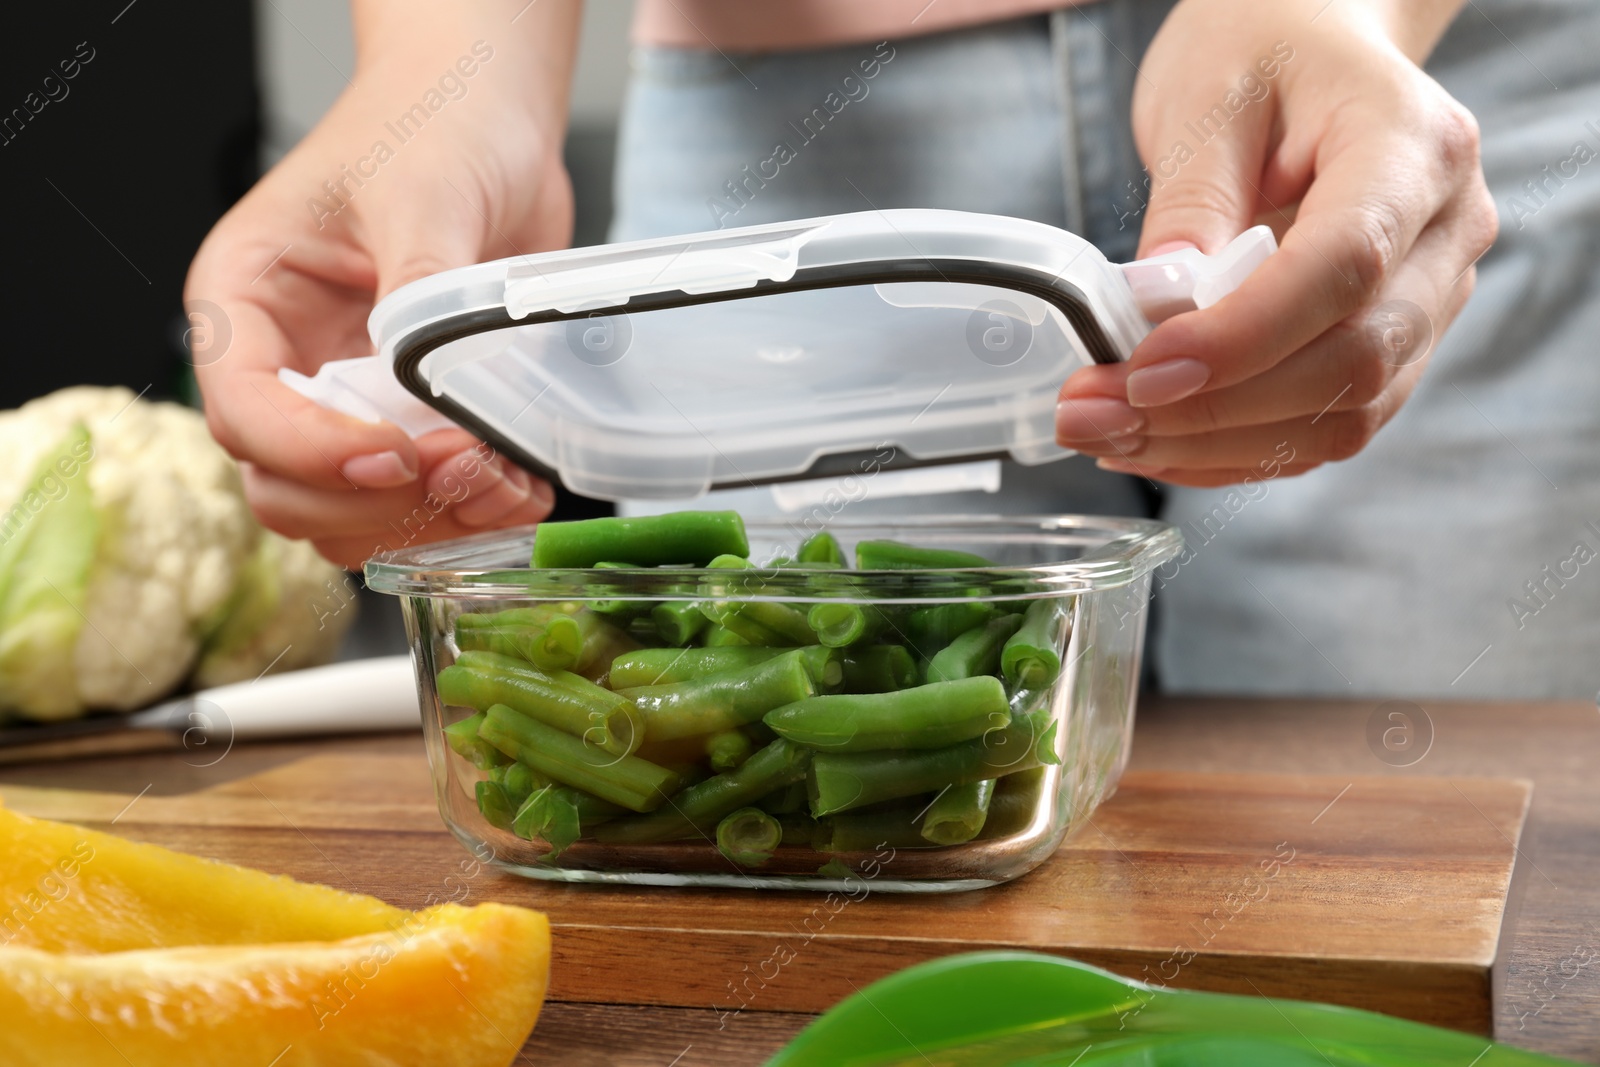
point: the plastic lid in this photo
(850, 344)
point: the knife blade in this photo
(357, 696)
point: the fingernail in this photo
(382, 470)
(544, 495)
(1093, 418)
(1164, 383)
(492, 496)
(517, 476)
(1121, 446)
(1118, 466)
(1168, 246)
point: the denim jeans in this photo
(1452, 557)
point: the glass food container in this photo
(1059, 756)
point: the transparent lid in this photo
(850, 344)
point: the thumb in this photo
(424, 226)
(1203, 185)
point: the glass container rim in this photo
(1118, 551)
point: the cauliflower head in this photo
(124, 527)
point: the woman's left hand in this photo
(1312, 117)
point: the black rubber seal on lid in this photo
(1051, 288)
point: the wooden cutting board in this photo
(1381, 893)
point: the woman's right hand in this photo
(289, 275)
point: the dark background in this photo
(109, 190)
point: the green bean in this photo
(493, 804)
(749, 836)
(878, 669)
(717, 636)
(550, 642)
(518, 780)
(841, 781)
(668, 666)
(573, 641)
(837, 624)
(1031, 658)
(957, 815)
(619, 607)
(688, 538)
(560, 815)
(927, 717)
(678, 621)
(800, 830)
(826, 666)
(759, 622)
(929, 629)
(1015, 804)
(561, 699)
(727, 749)
(462, 737)
(721, 701)
(884, 826)
(821, 548)
(700, 807)
(975, 652)
(895, 556)
(786, 801)
(625, 780)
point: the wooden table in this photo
(1552, 999)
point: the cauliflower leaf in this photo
(48, 540)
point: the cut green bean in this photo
(821, 548)
(560, 815)
(975, 652)
(826, 666)
(462, 737)
(895, 556)
(878, 669)
(721, 701)
(618, 608)
(895, 825)
(717, 636)
(837, 624)
(518, 780)
(678, 621)
(841, 781)
(800, 830)
(1031, 658)
(625, 780)
(727, 749)
(928, 717)
(786, 801)
(561, 699)
(928, 630)
(493, 804)
(669, 666)
(575, 640)
(1016, 803)
(749, 836)
(698, 809)
(957, 815)
(687, 538)
(759, 622)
